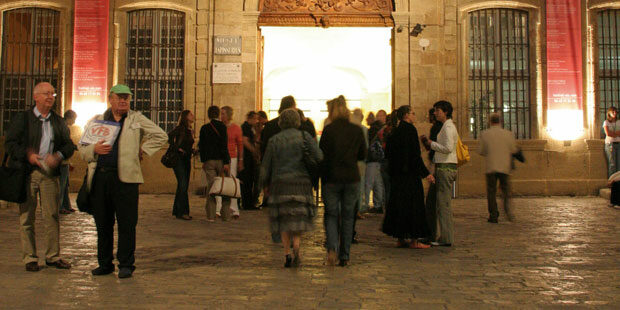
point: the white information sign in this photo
(226, 73)
(100, 130)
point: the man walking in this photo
(235, 150)
(213, 146)
(39, 140)
(114, 175)
(497, 145)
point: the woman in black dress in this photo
(182, 137)
(405, 217)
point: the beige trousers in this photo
(47, 188)
(212, 169)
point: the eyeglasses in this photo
(49, 93)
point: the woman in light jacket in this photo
(287, 183)
(612, 141)
(445, 160)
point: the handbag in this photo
(83, 198)
(462, 152)
(171, 157)
(226, 187)
(14, 184)
(312, 166)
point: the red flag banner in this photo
(90, 57)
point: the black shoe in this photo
(376, 210)
(289, 261)
(59, 264)
(343, 262)
(32, 266)
(355, 241)
(124, 272)
(494, 221)
(101, 271)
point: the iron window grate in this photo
(499, 73)
(30, 49)
(608, 62)
(155, 64)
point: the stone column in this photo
(402, 63)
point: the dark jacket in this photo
(181, 137)
(433, 137)
(343, 144)
(403, 152)
(374, 129)
(213, 144)
(17, 144)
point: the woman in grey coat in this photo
(286, 183)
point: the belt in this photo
(107, 169)
(446, 166)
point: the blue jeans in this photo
(340, 201)
(612, 155)
(64, 204)
(181, 198)
(374, 183)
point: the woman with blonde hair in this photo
(343, 145)
(612, 140)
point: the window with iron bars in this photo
(499, 73)
(608, 63)
(30, 47)
(155, 64)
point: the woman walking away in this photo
(182, 138)
(405, 216)
(343, 145)
(612, 141)
(286, 181)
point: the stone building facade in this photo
(431, 60)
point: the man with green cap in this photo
(114, 175)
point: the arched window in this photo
(30, 54)
(608, 38)
(498, 70)
(155, 64)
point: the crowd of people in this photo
(282, 159)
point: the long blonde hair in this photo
(338, 109)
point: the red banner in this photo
(90, 55)
(564, 55)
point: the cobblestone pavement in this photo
(562, 252)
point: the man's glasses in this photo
(49, 93)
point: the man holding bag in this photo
(38, 140)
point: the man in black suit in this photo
(38, 140)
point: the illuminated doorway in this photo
(318, 64)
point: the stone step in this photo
(605, 193)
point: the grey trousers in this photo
(492, 192)
(444, 179)
(213, 168)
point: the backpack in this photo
(375, 151)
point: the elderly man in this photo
(497, 145)
(114, 175)
(39, 140)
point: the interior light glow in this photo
(565, 125)
(85, 110)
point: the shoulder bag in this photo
(462, 152)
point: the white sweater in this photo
(445, 147)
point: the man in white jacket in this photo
(114, 175)
(445, 171)
(497, 145)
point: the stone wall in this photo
(421, 76)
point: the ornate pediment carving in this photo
(326, 13)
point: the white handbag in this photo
(226, 187)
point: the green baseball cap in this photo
(120, 89)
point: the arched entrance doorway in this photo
(317, 50)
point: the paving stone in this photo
(562, 252)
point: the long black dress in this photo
(405, 215)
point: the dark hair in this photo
(70, 114)
(494, 118)
(213, 112)
(445, 106)
(250, 114)
(183, 122)
(609, 110)
(302, 117)
(402, 111)
(286, 103)
(431, 115)
(262, 114)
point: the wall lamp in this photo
(417, 29)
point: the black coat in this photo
(343, 145)
(403, 152)
(17, 143)
(213, 143)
